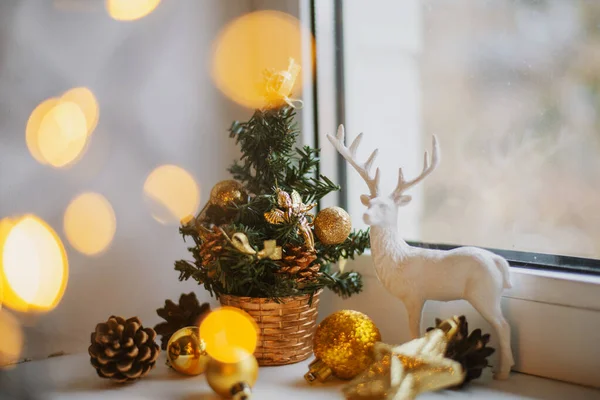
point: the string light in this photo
(225, 331)
(172, 194)
(251, 45)
(33, 264)
(90, 223)
(130, 10)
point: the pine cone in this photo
(123, 350)
(297, 262)
(188, 312)
(470, 351)
(211, 248)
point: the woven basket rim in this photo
(268, 299)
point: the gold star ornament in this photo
(403, 372)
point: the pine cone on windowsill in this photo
(470, 351)
(123, 350)
(188, 312)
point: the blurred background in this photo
(114, 117)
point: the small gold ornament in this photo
(402, 372)
(343, 344)
(224, 378)
(226, 193)
(333, 225)
(186, 352)
(291, 208)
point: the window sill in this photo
(554, 317)
(73, 378)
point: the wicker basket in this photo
(286, 328)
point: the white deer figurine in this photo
(415, 275)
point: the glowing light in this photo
(90, 223)
(248, 46)
(62, 135)
(130, 10)
(12, 339)
(58, 128)
(88, 104)
(33, 264)
(33, 127)
(226, 330)
(172, 194)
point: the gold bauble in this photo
(226, 193)
(186, 351)
(222, 377)
(333, 225)
(343, 344)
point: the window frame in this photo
(546, 288)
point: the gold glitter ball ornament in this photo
(342, 345)
(227, 379)
(226, 193)
(186, 351)
(333, 225)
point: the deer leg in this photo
(414, 309)
(492, 313)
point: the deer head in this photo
(382, 210)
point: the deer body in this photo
(415, 275)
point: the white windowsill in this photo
(73, 377)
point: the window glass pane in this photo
(511, 89)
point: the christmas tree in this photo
(255, 237)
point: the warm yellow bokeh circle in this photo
(33, 265)
(58, 129)
(90, 223)
(227, 329)
(172, 194)
(130, 10)
(251, 44)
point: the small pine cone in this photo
(470, 351)
(297, 262)
(123, 350)
(212, 246)
(188, 312)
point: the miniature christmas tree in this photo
(255, 235)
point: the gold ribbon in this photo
(240, 241)
(280, 84)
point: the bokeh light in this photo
(251, 44)
(130, 10)
(11, 342)
(62, 135)
(88, 104)
(90, 223)
(33, 264)
(172, 194)
(227, 329)
(58, 129)
(33, 127)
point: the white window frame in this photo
(555, 316)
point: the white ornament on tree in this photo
(415, 275)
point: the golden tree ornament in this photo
(227, 193)
(343, 344)
(230, 379)
(186, 351)
(291, 209)
(402, 372)
(333, 225)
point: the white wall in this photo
(157, 106)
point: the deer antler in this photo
(350, 155)
(428, 168)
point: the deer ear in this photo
(402, 199)
(365, 199)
